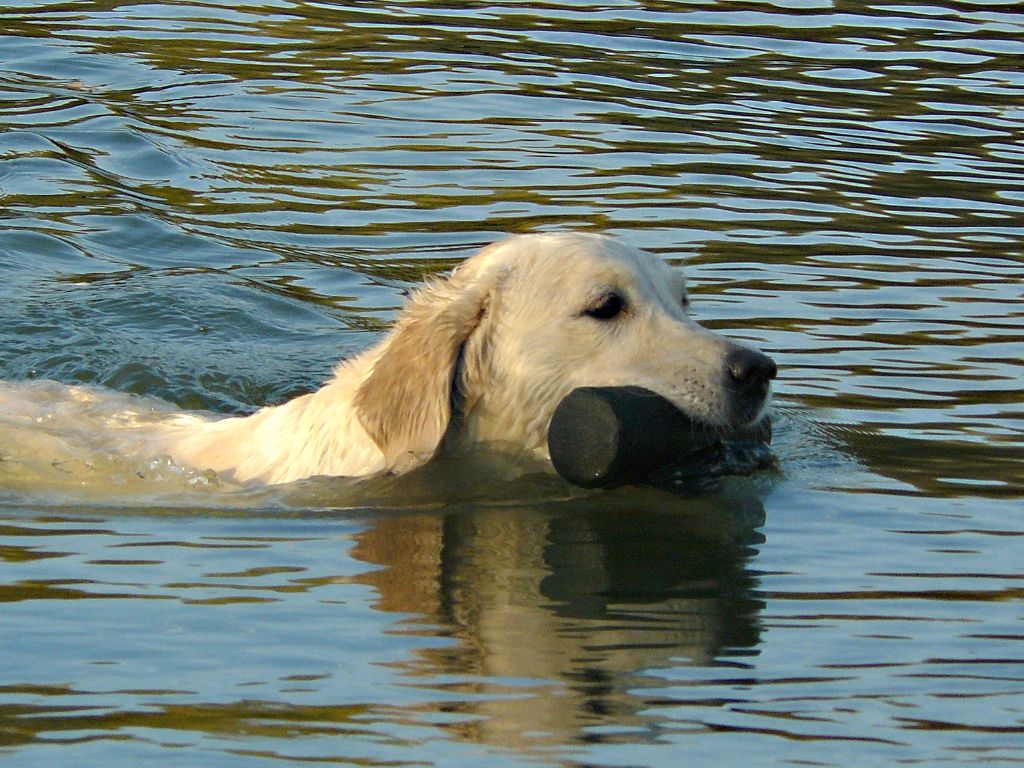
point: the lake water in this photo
(212, 202)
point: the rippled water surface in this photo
(213, 202)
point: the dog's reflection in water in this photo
(557, 610)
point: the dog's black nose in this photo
(749, 369)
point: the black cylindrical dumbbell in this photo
(601, 437)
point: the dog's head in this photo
(527, 320)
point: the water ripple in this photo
(214, 202)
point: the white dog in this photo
(485, 356)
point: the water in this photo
(212, 202)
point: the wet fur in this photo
(497, 345)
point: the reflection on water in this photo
(572, 605)
(212, 203)
(550, 616)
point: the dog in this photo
(483, 357)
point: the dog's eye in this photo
(609, 306)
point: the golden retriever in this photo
(482, 357)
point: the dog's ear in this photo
(405, 402)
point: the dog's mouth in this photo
(741, 451)
(603, 437)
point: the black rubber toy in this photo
(602, 437)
